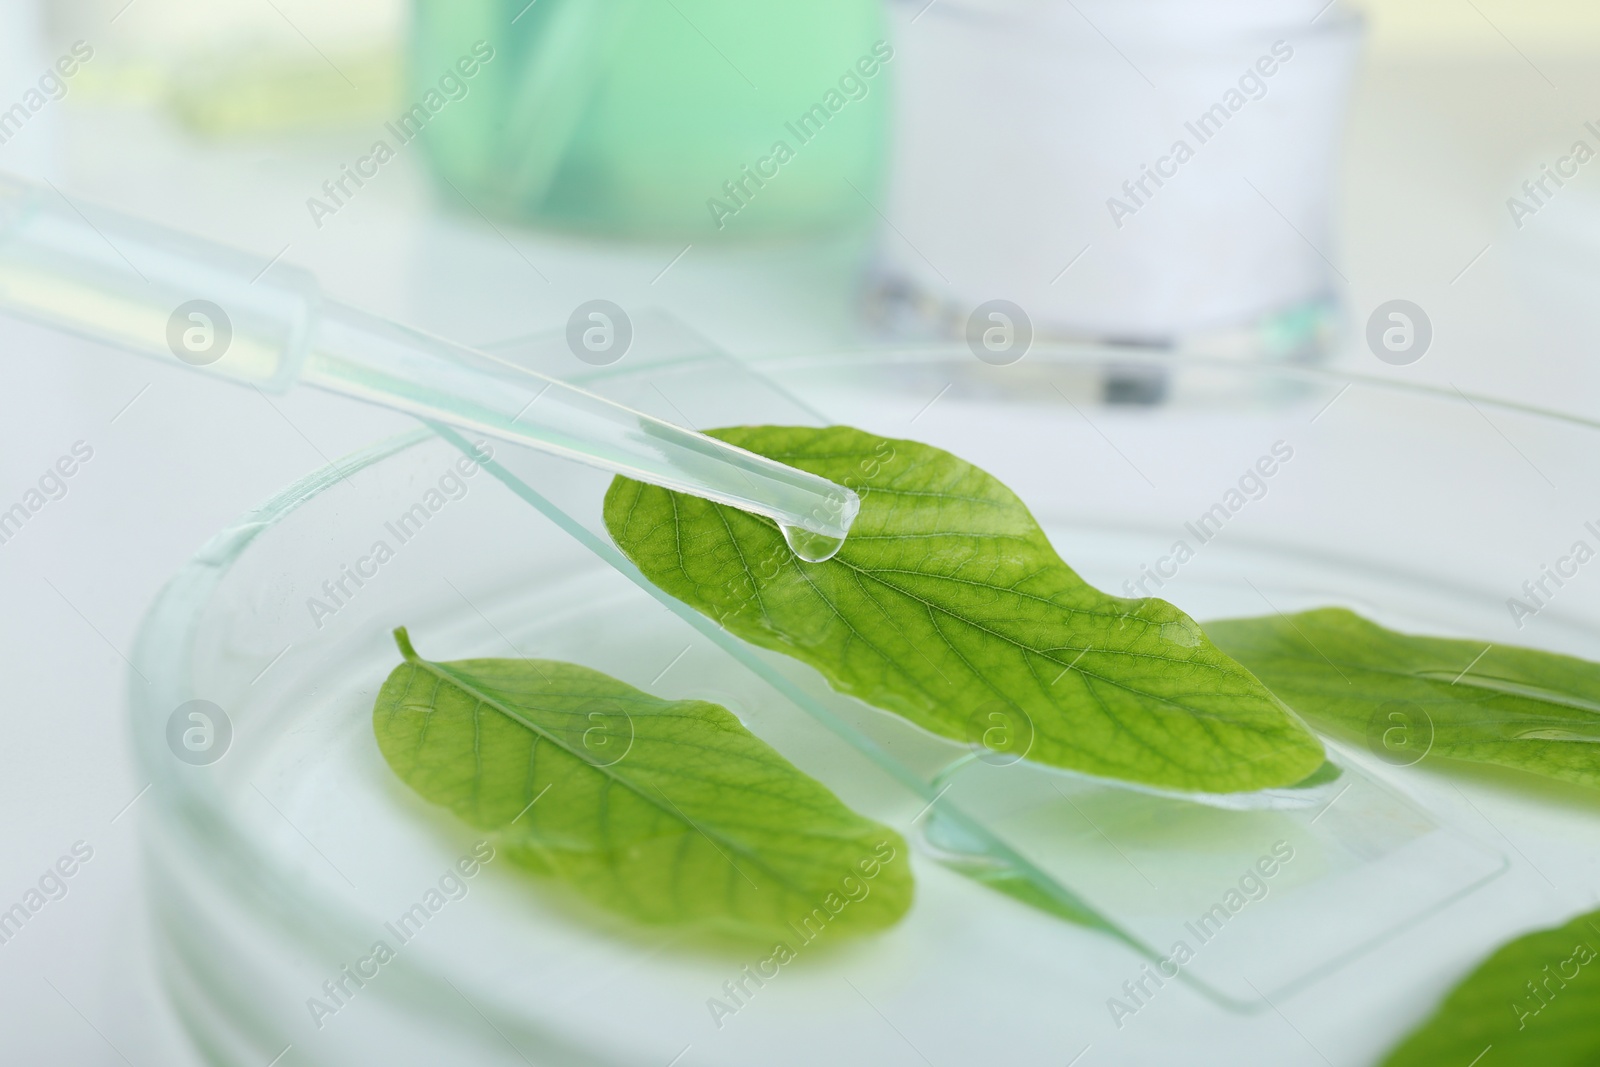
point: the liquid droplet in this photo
(811, 547)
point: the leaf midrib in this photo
(439, 670)
(1204, 718)
(1043, 653)
(875, 574)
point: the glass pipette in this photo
(158, 292)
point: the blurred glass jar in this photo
(1146, 172)
(696, 119)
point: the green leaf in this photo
(668, 811)
(947, 605)
(1535, 1001)
(1411, 697)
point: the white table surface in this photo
(1433, 150)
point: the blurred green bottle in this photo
(660, 119)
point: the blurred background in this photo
(893, 167)
(781, 178)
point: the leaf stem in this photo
(403, 639)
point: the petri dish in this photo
(278, 857)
